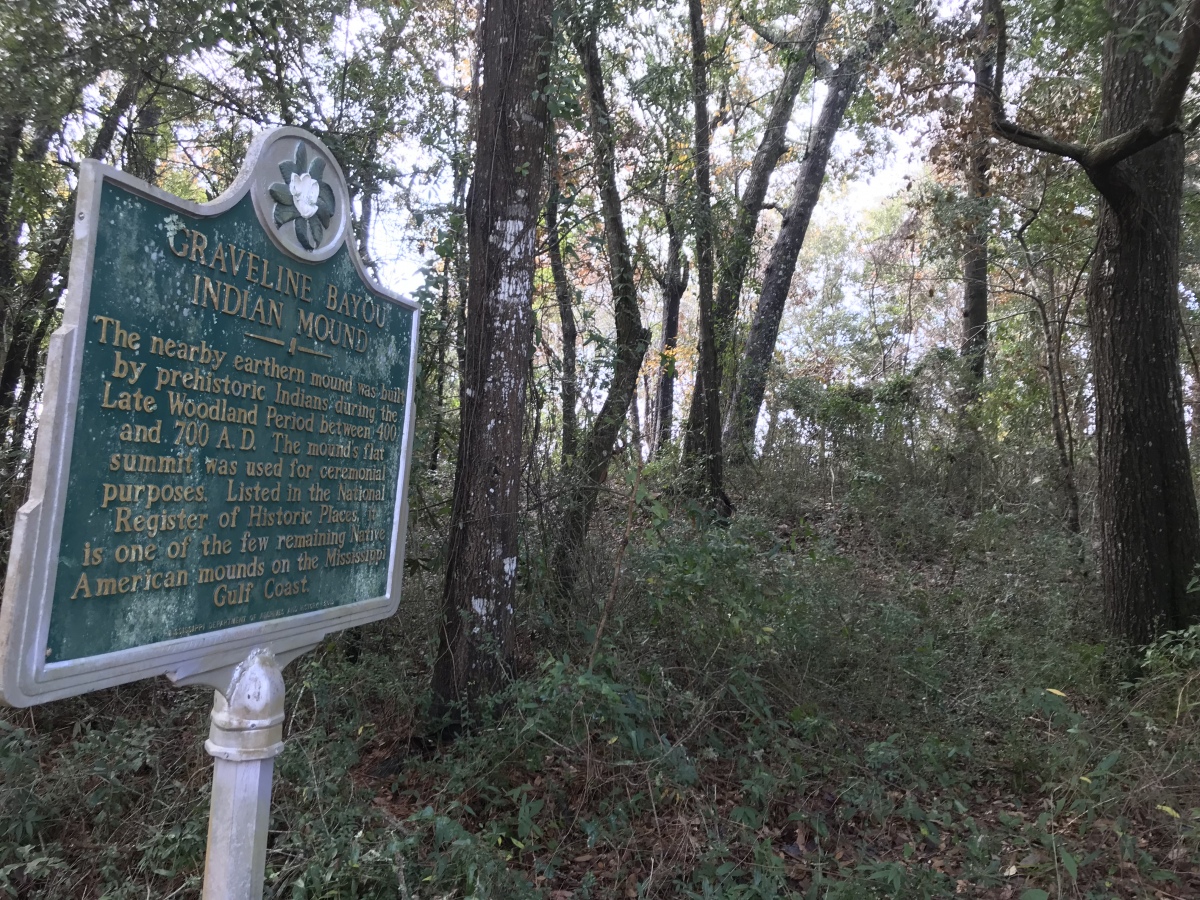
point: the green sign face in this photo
(239, 429)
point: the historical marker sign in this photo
(224, 446)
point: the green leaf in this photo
(1168, 40)
(302, 234)
(317, 169)
(325, 203)
(285, 214)
(1070, 864)
(280, 194)
(301, 157)
(318, 232)
(1105, 764)
(1035, 894)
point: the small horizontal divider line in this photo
(259, 337)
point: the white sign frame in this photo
(25, 677)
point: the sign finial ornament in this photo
(303, 198)
(300, 195)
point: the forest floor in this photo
(863, 695)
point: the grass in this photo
(861, 695)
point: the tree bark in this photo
(589, 469)
(975, 255)
(1192, 411)
(141, 141)
(760, 346)
(10, 225)
(476, 648)
(1146, 503)
(451, 315)
(735, 260)
(702, 439)
(635, 428)
(438, 402)
(673, 282)
(566, 316)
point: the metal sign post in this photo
(245, 737)
(222, 461)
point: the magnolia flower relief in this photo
(303, 198)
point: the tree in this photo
(476, 642)
(673, 281)
(702, 440)
(1146, 503)
(751, 383)
(586, 471)
(975, 255)
(55, 59)
(563, 292)
(800, 52)
(1050, 262)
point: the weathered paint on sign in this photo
(225, 437)
(238, 429)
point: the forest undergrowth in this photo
(850, 690)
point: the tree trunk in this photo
(589, 469)
(735, 260)
(772, 429)
(651, 413)
(11, 130)
(760, 346)
(635, 428)
(566, 316)
(1059, 413)
(975, 255)
(1146, 504)
(702, 439)
(142, 141)
(673, 283)
(462, 275)
(451, 315)
(439, 360)
(1195, 392)
(1192, 408)
(476, 648)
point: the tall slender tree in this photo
(563, 294)
(587, 471)
(751, 384)
(702, 440)
(975, 255)
(799, 50)
(476, 645)
(672, 281)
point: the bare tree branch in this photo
(1162, 121)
